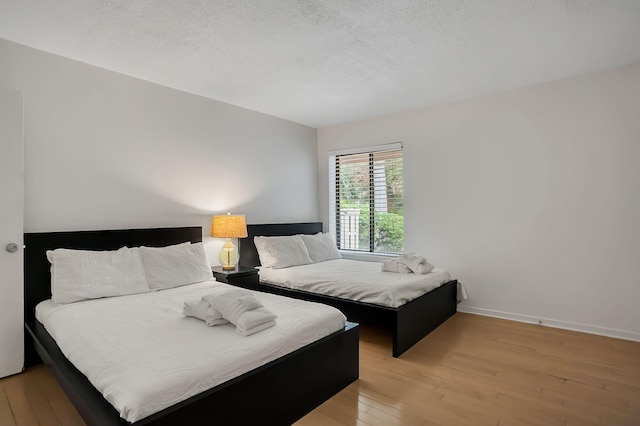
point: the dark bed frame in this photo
(408, 323)
(277, 393)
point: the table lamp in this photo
(229, 226)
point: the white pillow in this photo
(175, 266)
(82, 274)
(282, 252)
(321, 247)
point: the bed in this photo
(281, 391)
(408, 323)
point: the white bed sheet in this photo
(143, 355)
(358, 280)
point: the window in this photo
(367, 210)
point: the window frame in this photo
(334, 193)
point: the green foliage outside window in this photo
(389, 230)
(360, 178)
(389, 236)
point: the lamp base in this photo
(228, 256)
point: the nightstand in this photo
(242, 276)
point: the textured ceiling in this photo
(326, 62)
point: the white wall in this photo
(531, 197)
(106, 151)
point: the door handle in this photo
(12, 247)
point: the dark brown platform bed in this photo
(408, 323)
(277, 393)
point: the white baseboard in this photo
(585, 328)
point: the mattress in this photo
(357, 280)
(143, 355)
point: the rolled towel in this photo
(417, 264)
(395, 266)
(202, 310)
(242, 309)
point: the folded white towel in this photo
(250, 302)
(424, 268)
(202, 310)
(254, 318)
(417, 264)
(242, 309)
(395, 266)
(255, 329)
(232, 303)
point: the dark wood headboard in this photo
(249, 254)
(37, 275)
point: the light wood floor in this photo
(472, 370)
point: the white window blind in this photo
(367, 209)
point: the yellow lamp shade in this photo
(229, 226)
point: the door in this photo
(11, 232)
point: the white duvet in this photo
(357, 280)
(143, 355)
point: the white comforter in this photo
(144, 355)
(357, 280)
